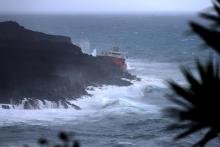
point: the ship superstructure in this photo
(116, 57)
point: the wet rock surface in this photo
(48, 67)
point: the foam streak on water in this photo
(106, 107)
(113, 116)
(104, 100)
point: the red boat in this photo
(116, 57)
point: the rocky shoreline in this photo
(37, 67)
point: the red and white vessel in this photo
(116, 57)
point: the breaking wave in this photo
(105, 97)
(103, 100)
(28, 103)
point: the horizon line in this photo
(105, 13)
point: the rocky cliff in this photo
(42, 67)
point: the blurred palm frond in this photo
(210, 35)
(198, 102)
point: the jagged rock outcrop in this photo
(48, 67)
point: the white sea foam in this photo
(107, 100)
(104, 101)
(112, 97)
(37, 104)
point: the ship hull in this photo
(120, 62)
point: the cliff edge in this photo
(39, 66)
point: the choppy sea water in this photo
(114, 116)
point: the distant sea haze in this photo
(159, 38)
(114, 116)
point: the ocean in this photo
(132, 116)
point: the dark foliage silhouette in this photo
(210, 36)
(198, 103)
(65, 139)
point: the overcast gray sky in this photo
(101, 6)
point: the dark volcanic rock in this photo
(5, 107)
(37, 65)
